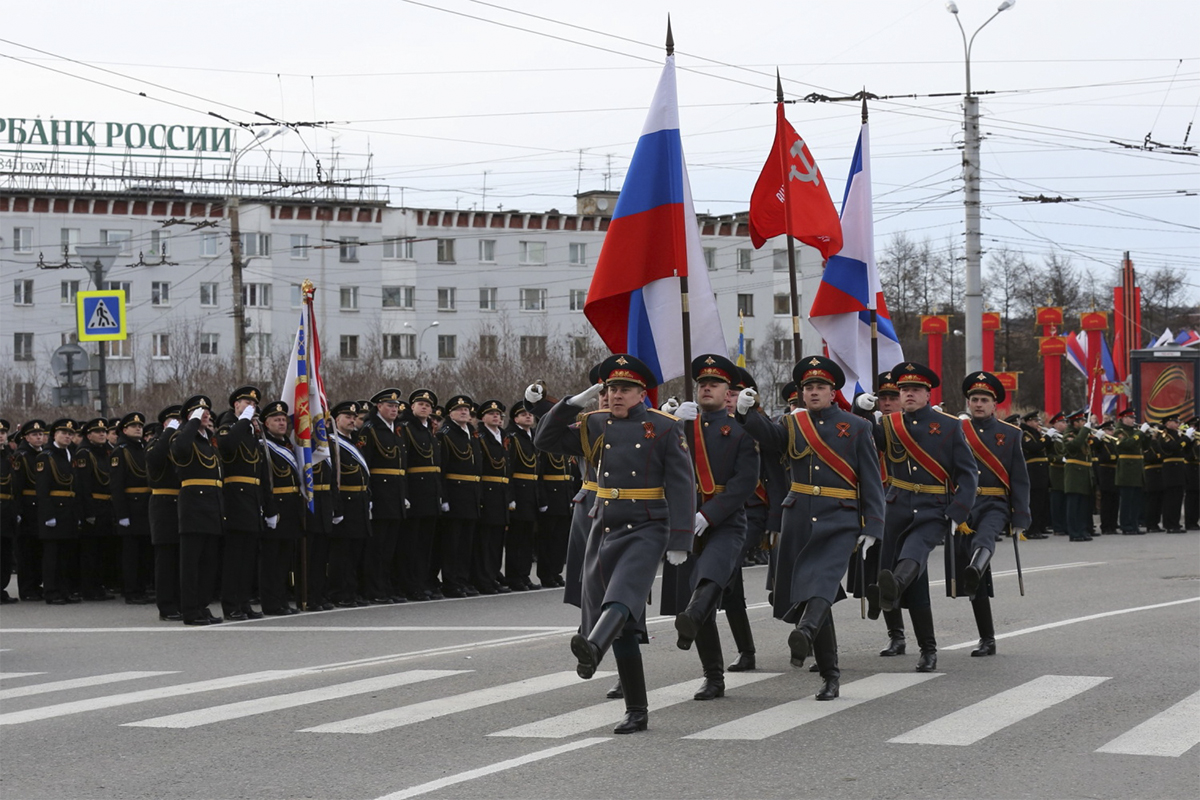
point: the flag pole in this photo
(791, 246)
(871, 301)
(685, 316)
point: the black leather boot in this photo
(616, 692)
(825, 654)
(800, 640)
(982, 606)
(708, 647)
(633, 680)
(922, 622)
(892, 583)
(699, 609)
(739, 626)
(590, 650)
(975, 571)
(896, 641)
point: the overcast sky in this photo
(549, 97)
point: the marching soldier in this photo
(495, 501)
(1036, 447)
(352, 510)
(1173, 478)
(1002, 502)
(645, 508)
(835, 502)
(34, 434)
(461, 466)
(243, 466)
(288, 504)
(164, 515)
(197, 464)
(931, 487)
(1077, 477)
(1131, 473)
(424, 477)
(97, 510)
(10, 496)
(379, 439)
(725, 460)
(59, 482)
(131, 509)
(522, 520)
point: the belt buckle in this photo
(816, 490)
(916, 488)
(614, 493)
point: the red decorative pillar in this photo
(935, 326)
(1009, 381)
(991, 324)
(1094, 323)
(1052, 348)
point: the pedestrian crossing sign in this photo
(101, 316)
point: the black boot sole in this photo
(929, 665)
(893, 650)
(585, 653)
(634, 721)
(616, 693)
(687, 628)
(800, 645)
(971, 580)
(889, 591)
(829, 691)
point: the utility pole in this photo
(97, 259)
(239, 299)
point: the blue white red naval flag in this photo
(634, 301)
(304, 393)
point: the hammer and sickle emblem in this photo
(810, 170)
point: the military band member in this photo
(352, 510)
(1131, 474)
(288, 506)
(645, 508)
(1002, 503)
(522, 520)
(1173, 444)
(10, 496)
(197, 463)
(1036, 446)
(1057, 470)
(1077, 477)
(424, 477)
(164, 515)
(59, 481)
(97, 510)
(245, 495)
(725, 460)
(1191, 489)
(495, 501)
(1152, 453)
(931, 487)
(380, 441)
(34, 434)
(462, 458)
(131, 509)
(1104, 463)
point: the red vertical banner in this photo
(1052, 348)
(991, 324)
(1094, 323)
(935, 326)
(1009, 381)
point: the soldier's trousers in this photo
(1078, 514)
(137, 565)
(8, 559)
(199, 560)
(415, 553)
(1172, 507)
(518, 551)
(1191, 507)
(238, 566)
(551, 546)
(455, 543)
(381, 550)
(91, 562)
(1110, 501)
(1131, 508)
(1058, 511)
(29, 565)
(166, 578)
(59, 558)
(1152, 508)
(344, 557)
(486, 555)
(274, 565)
(316, 564)
(1039, 509)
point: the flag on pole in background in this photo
(1110, 379)
(1077, 352)
(634, 301)
(741, 358)
(1187, 337)
(850, 287)
(304, 393)
(1166, 339)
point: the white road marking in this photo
(980, 720)
(263, 705)
(1171, 733)
(214, 629)
(6, 675)
(430, 709)
(76, 683)
(583, 720)
(786, 716)
(491, 769)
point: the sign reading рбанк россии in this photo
(125, 135)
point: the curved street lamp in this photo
(421, 336)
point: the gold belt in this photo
(656, 493)
(417, 470)
(557, 477)
(527, 476)
(451, 476)
(165, 492)
(493, 479)
(992, 491)
(1038, 460)
(918, 488)
(286, 490)
(353, 488)
(200, 482)
(1079, 463)
(29, 492)
(1173, 460)
(61, 493)
(137, 490)
(320, 487)
(717, 489)
(387, 471)
(6, 497)
(243, 479)
(1139, 458)
(102, 497)
(591, 486)
(824, 491)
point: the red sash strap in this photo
(896, 421)
(760, 492)
(824, 451)
(983, 455)
(704, 476)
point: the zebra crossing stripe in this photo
(786, 716)
(264, 705)
(980, 720)
(76, 683)
(1171, 733)
(431, 709)
(600, 715)
(6, 675)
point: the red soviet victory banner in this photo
(791, 196)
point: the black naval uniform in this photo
(461, 465)
(243, 465)
(28, 544)
(1173, 479)
(423, 454)
(556, 488)
(495, 493)
(10, 496)
(522, 520)
(277, 543)
(351, 524)
(1131, 477)
(318, 526)
(58, 477)
(97, 520)
(201, 519)
(1104, 461)
(1191, 488)
(131, 502)
(380, 444)
(1152, 503)
(164, 522)
(1036, 447)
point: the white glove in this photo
(172, 423)
(701, 524)
(878, 415)
(1053, 433)
(676, 557)
(123, 522)
(247, 413)
(747, 399)
(1144, 427)
(687, 410)
(1018, 532)
(370, 509)
(196, 413)
(50, 523)
(90, 520)
(445, 508)
(272, 521)
(407, 505)
(866, 401)
(534, 393)
(512, 505)
(670, 406)
(338, 520)
(1190, 433)
(543, 509)
(864, 544)
(585, 397)
(964, 415)
(937, 408)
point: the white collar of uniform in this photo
(497, 434)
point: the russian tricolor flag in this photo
(634, 301)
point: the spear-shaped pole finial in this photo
(670, 38)
(778, 87)
(864, 107)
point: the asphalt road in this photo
(1094, 693)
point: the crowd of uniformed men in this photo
(422, 501)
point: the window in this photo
(447, 347)
(118, 237)
(578, 298)
(779, 260)
(68, 338)
(399, 345)
(23, 292)
(258, 345)
(67, 292)
(348, 346)
(745, 254)
(349, 298)
(119, 348)
(579, 346)
(348, 249)
(398, 297)
(533, 252)
(533, 347)
(159, 244)
(160, 293)
(783, 305)
(577, 254)
(70, 238)
(398, 248)
(446, 298)
(295, 296)
(300, 246)
(487, 298)
(162, 345)
(489, 346)
(749, 349)
(119, 393)
(533, 299)
(208, 295)
(208, 344)
(710, 258)
(256, 244)
(257, 295)
(22, 240)
(487, 251)
(22, 347)
(209, 243)
(445, 251)
(24, 394)
(746, 305)
(119, 286)
(783, 350)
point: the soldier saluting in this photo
(244, 469)
(201, 519)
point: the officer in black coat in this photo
(287, 507)
(318, 525)
(1104, 461)
(197, 464)
(10, 496)
(1174, 478)
(557, 479)
(495, 500)
(462, 459)
(246, 496)
(1191, 487)
(61, 485)
(352, 510)
(131, 509)
(164, 515)
(522, 519)
(380, 442)
(34, 434)
(97, 510)
(423, 474)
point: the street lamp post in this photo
(973, 318)
(421, 337)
